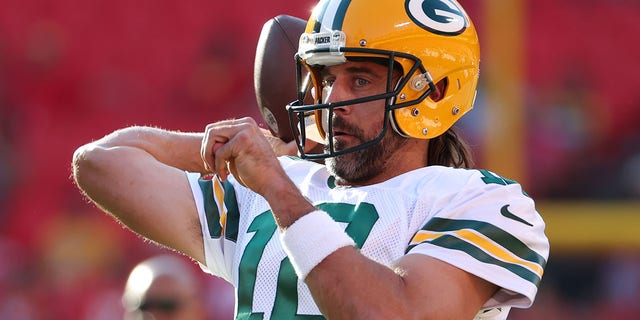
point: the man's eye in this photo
(361, 82)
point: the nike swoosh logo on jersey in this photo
(507, 214)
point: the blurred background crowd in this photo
(563, 120)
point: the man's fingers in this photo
(221, 161)
(217, 134)
(206, 153)
(239, 147)
(208, 148)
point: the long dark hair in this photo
(449, 149)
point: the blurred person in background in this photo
(163, 287)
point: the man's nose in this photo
(338, 92)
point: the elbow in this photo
(88, 159)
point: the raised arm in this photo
(137, 175)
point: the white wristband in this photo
(312, 238)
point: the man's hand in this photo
(239, 147)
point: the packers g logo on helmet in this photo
(439, 16)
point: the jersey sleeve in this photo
(213, 212)
(488, 227)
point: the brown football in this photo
(274, 72)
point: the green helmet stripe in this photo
(331, 15)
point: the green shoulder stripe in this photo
(233, 213)
(451, 242)
(210, 208)
(501, 237)
(216, 220)
(471, 236)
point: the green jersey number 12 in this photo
(360, 221)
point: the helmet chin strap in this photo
(394, 125)
(392, 119)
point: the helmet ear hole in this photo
(441, 88)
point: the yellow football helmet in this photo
(433, 42)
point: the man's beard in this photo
(365, 164)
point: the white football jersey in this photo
(472, 219)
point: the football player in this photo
(393, 225)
